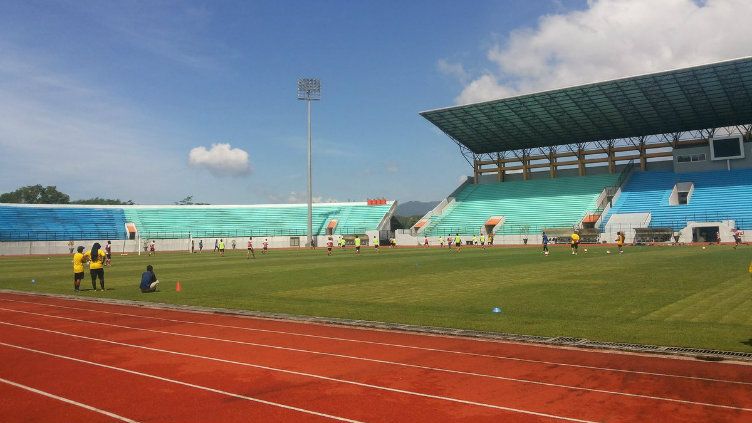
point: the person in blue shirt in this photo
(545, 242)
(149, 282)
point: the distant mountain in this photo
(414, 208)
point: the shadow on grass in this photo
(748, 342)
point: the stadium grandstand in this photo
(663, 157)
(283, 224)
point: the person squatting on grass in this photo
(78, 268)
(96, 257)
(149, 282)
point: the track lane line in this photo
(437, 369)
(386, 344)
(164, 379)
(68, 401)
(273, 369)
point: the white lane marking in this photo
(69, 401)
(291, 372)
(164, 379)
(395, 363)
(386, 344)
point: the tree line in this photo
(37, 194)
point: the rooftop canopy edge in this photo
(708, 96)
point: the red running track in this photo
(88, 361)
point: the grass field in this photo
(682, 296)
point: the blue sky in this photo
(109, 98)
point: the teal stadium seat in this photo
(51, 223)
(717, 195)
(64, 222)
(537, 203)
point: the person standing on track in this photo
(78, 268)
(250, 249)
(233, 244)
(425, 242)
(96, 258)
(149, 282)
(193, 246)
(200, 245)
(737, 238)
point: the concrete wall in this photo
(708, 164)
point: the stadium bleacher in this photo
(266, 220)
(38, 223)
(525, 205)
(716, 196)
(23, 223)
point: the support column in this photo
(525, 165)
(476, 167)
(581, 160)
(643, 154)
(499, 172)
(552, 166)
(611, 158)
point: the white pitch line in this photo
(164, 379)
(386, 344)
(69, 401)
(291, 372)
(395, 363)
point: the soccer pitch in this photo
(677, 296)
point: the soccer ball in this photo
(586, 250)
(703, 247)
(545, 253)
(608, 251)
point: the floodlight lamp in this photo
(309, 89)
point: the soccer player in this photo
(490, 239)
(392, 242)
(250, 249)
(216, 246)
(475, 239)
(234, 244)
(425, 242)
(70, 247)
(108, 254)
(149, 282)
(221, 246)
(545, 242)
(483, 241)
(575, 242)
(200, 245)
(96, 257)
(78, 268)
(342, 242)
(620, 241)
(153, 248)
(458, 242)
(265, 246)
(441, 241)
(737, 237)
(376, 243)
(193, 246)
(329, 246)
(357, 244)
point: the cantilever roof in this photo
(701, 97)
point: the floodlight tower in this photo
(309, 89)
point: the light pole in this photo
(309, 89)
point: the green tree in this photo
(103, 201)
(35, 194)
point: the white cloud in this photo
(294, 197)
(391, 167)
(221, 160)
(612, 39)
(455, 70)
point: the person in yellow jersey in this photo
(376, 243)
(78, 268)
(483, 241)
(95, 257)
(357, 244)
(620, 241)
(222, 247)
(575, 242)
(458, 242)
(475, 240)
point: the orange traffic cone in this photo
(178, 288)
